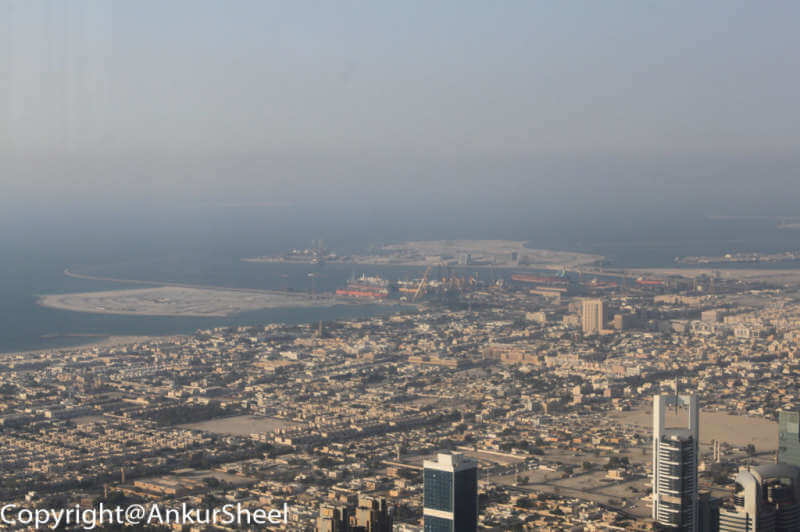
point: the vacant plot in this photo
(241, 425)
(735, 430)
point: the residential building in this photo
(592, 316)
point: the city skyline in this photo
(399, 266)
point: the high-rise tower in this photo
(766, 499)
(593, 316)
(333, 519)
(675, 452)
(372, 515)
(451, 494)
(789, 438)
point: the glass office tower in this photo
(451, 494)
(789, 438)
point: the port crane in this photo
(422, 283)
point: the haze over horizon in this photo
(374, 113)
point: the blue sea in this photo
(205, 247)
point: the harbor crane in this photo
(422, 283)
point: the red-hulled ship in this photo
(365, 286)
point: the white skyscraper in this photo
(593, 316)
(675, 452)
(765, 499)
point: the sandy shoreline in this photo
(92, 341)
(743, 274)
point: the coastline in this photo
(788, 276)
(92, 341)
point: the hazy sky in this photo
(516, 103)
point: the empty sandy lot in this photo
(240, 425)
(735, 430)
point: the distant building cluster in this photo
(501, 408)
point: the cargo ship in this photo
(597, 284)
(367, 286)
(408, 287)
(649, 282)
(555, 283)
